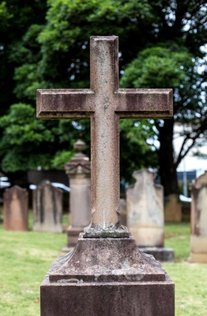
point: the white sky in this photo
(190, 162)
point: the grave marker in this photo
(104, 103)
(145, 215)
(15, 209)
(106, 274)
(198, 242)
(78, 170)
(145, 211)
(47, 208)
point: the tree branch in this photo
(197, 132)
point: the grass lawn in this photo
(26, 256)
(190, 278)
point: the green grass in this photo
(177, 236)
(190, 279)
(26, 256)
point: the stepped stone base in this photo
(107, 277)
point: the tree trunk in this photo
(168, 173)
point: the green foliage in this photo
(28, 74)
(65, 38)
(134, 147)
(28, 143)
(5, 15)
(61, 158)
(22, 133)
(170, 65)
(46, 45)
(56, 55)
(21, 127)
(158, 66)
(14, 23)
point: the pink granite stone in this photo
(15, 209)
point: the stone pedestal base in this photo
(73, 235)
(107, 299)
(159, 253)
(107, 277)
(198, 246)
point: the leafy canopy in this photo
(47, 46)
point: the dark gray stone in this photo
(47, 208)
(159, 253)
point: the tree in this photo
(184, 23)
(15, 17)
(178, 25)
(56, 56)
(164, 35)
(175, 66)
(28, 143)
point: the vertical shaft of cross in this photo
(104, 132)
(104, 103)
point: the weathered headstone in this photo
(198, 243)
(78, 170)
(47, 208)
(145, 212)
(145, 215)
(15, 209)
(173, 209)
(106, 274)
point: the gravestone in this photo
(47, 208)
(78, 171)
(106, 274)
(145, 215)
(173, 209)
(198, 243)
(15, 209)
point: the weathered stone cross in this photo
(104, 103)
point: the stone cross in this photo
(104, 103)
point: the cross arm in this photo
(138, 103)
(64, 103)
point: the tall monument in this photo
(105, 274)
(78, 170)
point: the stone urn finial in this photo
(79, 163)
(79, 146)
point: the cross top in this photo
(104, 103)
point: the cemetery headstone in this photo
(78, 171)
(198, 242)
(15, 209)
(105, 274)
(47, 208)
(173, 209)
(145, 215)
